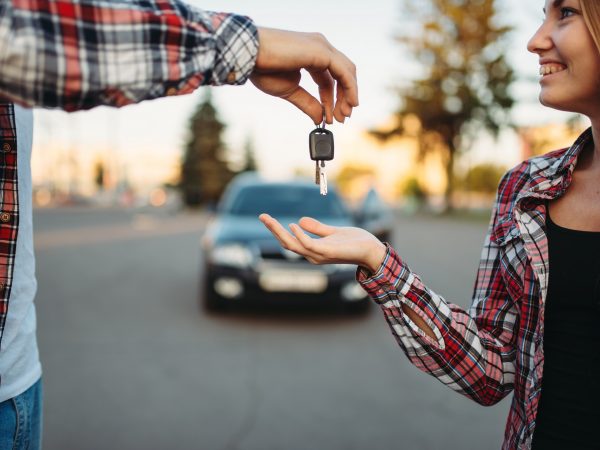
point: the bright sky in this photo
(149, 137)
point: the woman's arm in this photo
(471, 352)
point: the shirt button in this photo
(171, 91)
(4, 217)
(6, 147)
(231, 77)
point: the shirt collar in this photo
(553, 178)
(569, 159)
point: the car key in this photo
(321, 149)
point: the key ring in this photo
(324, 118)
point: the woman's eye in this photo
(566, 12)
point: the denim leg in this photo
(8, 424)
(21, 420)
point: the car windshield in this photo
(288, 201)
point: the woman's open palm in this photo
(334, 245)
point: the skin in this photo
(281, 56)
(562, 41)
(564, 38)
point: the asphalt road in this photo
(131, 362)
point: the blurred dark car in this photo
(375, 216)
(243, 262)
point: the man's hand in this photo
(281, 56)
(336, 245)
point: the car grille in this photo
(273, 252)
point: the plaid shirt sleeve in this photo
(474, 351)
(77, 54)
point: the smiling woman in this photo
(569, 59)
(532, 325)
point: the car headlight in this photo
(234, 255)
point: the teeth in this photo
(548, 69)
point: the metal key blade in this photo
(323, 180)
(317, 174)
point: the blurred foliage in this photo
(204, 170)
(99, 175)
(481, 178)
(249, 157)
(464, 87)
(350, 174)
(410, 187)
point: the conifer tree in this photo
(204, 170)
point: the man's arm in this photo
(79, 54)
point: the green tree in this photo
(249, 156)
(350, 173)
(99, 175)
(482, 178)
(204, 170)
(464, 88)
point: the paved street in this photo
(131, 362)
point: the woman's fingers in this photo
(315, 227)
(299, 242)
(287, 240)
(307, 242)
(282, 235)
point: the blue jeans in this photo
(21, 420)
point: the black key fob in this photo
(320, 142)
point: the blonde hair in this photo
(591, 14)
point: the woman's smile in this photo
(551, 68)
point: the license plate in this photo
(293, 281)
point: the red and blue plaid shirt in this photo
(496, 346)
(77, 54)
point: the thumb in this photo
(315, 227)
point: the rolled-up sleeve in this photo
(474, 351)
(79, 54)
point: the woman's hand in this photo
(336, 245)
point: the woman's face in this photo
(569, 59)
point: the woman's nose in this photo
(541, 40)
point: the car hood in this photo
(242, 229)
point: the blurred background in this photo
(136, 353)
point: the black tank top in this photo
(569, 408)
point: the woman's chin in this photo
(554, 102)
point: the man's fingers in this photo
(325, 82)
(315, 227)
(337, 111)
(300, 98)
(344, 72)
